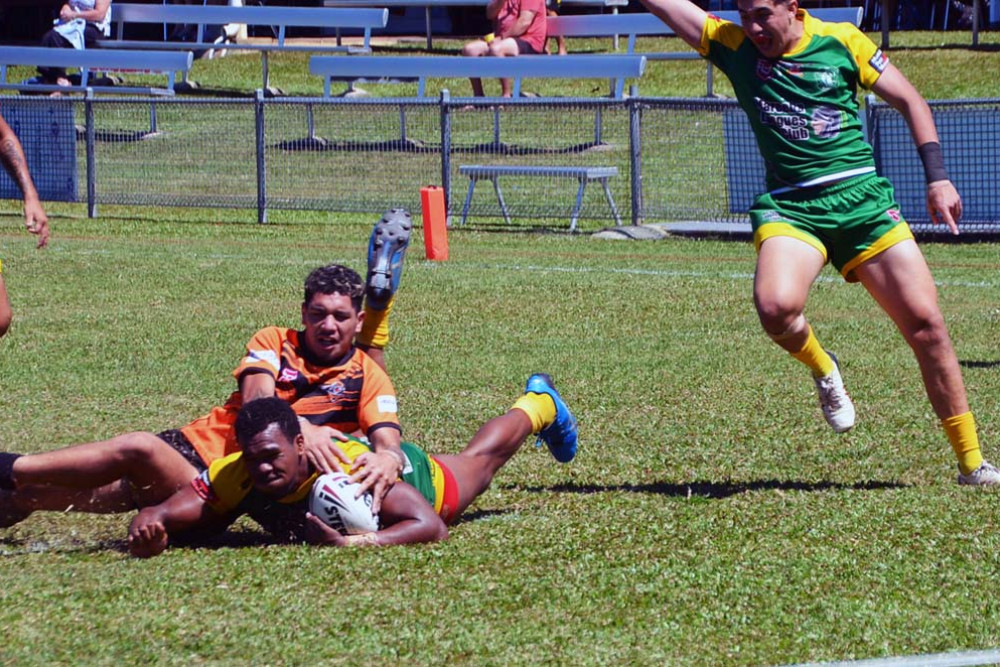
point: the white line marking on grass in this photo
(696, 274)
(954, 659)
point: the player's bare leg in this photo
(493, 445)
(901, 282)
(541, 411)
(786, 270)
(152, 469)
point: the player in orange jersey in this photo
(333, 386)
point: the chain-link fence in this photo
(692, 159)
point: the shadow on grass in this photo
(715, 490)
(979, 364)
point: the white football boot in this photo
(985, 475)
(837, 405)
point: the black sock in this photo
(7, 470)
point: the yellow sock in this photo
(375, 330)
(814, 356)
(961, 431)
(540, 408)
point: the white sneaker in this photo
(985, 475)
(837, 406)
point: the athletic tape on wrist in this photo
(933, 159)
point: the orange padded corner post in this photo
(435, 222)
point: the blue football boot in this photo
(386, 247)
(560, 435)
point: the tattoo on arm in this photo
(13, 161)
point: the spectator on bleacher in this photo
(35, 220)
(518, 28)
(80, 24)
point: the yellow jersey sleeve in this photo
(726, 33)
(225, 483)
(869, 58)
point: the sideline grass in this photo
(710, 518)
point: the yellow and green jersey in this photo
(226, 487)
(803, 107)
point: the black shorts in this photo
(183, 446)
(525, 49)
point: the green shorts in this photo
(848, 222)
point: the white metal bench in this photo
(583, 175)
(383, 69)
(645, 24)
(88, 61)
(277, 17)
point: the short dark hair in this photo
(256, 415)
(335, 279)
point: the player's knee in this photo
(777, 316)
(138, 448)
(928, 332)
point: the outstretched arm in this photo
(406, 518)
(14, 161)
(149, 533)
(943, 200)
(686, 19)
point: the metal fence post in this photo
(446, 151)
(88, 110)
(261, 165)
(635, 152)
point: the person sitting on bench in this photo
(518, 28)
(80, 24)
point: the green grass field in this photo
(711, 517)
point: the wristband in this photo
(1, 266)
(933, 159)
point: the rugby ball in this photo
(333, 500)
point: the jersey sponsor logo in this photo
(894, 214)
(386, 403)
(765, 69)
(788, 119)
(268, 357)
(826, 122)
(334, 389)
(770, 216)
(879, 61)
(288, 375)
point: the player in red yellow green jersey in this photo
(797, 78)
(270, 478)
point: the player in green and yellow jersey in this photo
(797, 78)
(270, 478)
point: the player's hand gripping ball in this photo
(333, 501)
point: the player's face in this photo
(771, 26)
(276, 465)
(331, 322)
